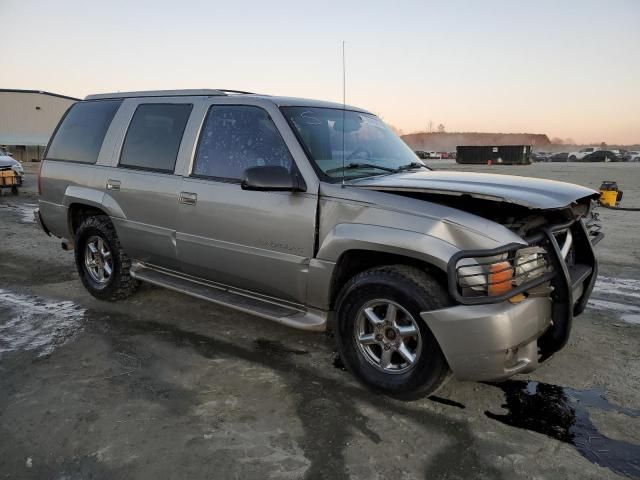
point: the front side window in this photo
(237, 137)
(80, 135)
(154, 136)
(360, 142)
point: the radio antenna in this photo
(344, 105)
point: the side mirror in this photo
(271, 178)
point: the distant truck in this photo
(580, 154)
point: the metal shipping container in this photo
(498, 154)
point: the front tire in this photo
(103, 266)
(381, 338)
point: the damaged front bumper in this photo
(491, 342)
(495, 339)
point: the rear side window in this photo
(237, 137)
(154, 136)
(80, 135)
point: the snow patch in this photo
(36, 324)
(23, 210)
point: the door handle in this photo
(188, 198)
(113, 184)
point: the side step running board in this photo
(228, 297)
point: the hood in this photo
(6, 161)
(525, 191)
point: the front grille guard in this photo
(564, 306)
(554, 258)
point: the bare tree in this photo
(441, 128)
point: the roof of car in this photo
(279, 101)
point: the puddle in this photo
(563, 413)
(23, 210)
(620, 296)
(36, 324)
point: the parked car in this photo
(580, 154)
(632, 156)
(601, 156)
(538, 157)
(11, 172)
(559, 157)
(251, 202)
(421, 154)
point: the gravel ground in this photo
(166, 386)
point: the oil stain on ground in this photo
(273, 347)
(563, 413)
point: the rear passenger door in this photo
(258, 241)
(144, 185)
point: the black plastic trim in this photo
(41, 222)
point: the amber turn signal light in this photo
(500, 276)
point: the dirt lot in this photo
(165, 386)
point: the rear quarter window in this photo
(80, 135)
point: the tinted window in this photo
(154, 136)
(235, 138)
(79, 137)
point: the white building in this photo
(27, 120)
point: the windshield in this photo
(368, 147)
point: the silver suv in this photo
(316, 216)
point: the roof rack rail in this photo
(226, 90)
(160, 93)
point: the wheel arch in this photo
(352, 248)
(353, 262)
(84, 202)
(78, 212)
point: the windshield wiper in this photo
(352, 166)
(412, 165)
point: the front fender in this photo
(344, 237)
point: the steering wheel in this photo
(358, 151)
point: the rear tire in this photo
(103, 266)
(14, 190)
(399, 356)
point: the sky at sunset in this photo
(570, 69)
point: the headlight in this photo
(494, 276)
(529, 263)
